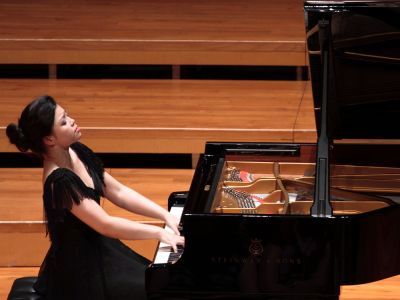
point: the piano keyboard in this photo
(165, 253)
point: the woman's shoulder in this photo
(62, 188)
(56, 174)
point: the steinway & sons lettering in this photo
(255, 260)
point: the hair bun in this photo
(17, 137)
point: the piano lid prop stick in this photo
(322, 206)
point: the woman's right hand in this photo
(171, 239)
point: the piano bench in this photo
(22, 289)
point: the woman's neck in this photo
(59, 156)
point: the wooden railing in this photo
(170, 116)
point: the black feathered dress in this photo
(81, 263)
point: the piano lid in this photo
(363, 70)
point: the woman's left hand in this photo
(172, 222)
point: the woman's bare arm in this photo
(133, 201)
(92, 214)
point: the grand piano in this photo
(297, 221)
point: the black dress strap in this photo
(93, 165)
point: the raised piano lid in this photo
(363, 103)
(364, 71)
(354, 55)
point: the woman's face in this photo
(65, 130)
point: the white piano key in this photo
(161, 257)
(177, 212)
(164, 250)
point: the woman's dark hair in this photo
(35, 123)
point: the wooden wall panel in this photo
(223, 32)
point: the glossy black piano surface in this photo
(364, 77)
(247, 217)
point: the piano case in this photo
(297, 221)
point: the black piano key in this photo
(173, 257)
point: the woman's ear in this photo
(49, 140)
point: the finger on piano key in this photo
(165, 255)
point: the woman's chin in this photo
(78, 136)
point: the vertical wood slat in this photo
(52, 71)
